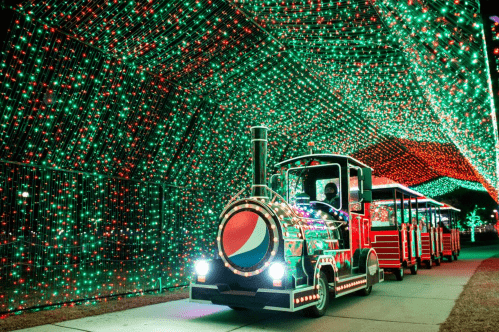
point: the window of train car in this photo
(445, 216)
(433, 216)
(410, 210)
(414, 211)
(438, 216)
(407, 210)
(400, 210)
(295, 186)
(322, 193)
(277, 184)
(355, 191)
(456, 221)
(383, 213)
(423, 219)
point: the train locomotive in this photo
(296, 242)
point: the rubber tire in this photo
(429, 264)
(238, 308)
(438, 261)
(366, 291)
(450, 258)
(399, 274)
(455, 257)
(414, 269)
(314, 311)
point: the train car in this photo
(395, 232)
(451, 239)
(431, 232)
(293, 244)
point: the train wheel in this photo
(323, 292)
(414, 269)
(238, 308)
(399, 274)
(366, 291)
(429, 264)
(455, 257)
(450, 258)
(438, 261)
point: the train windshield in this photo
(320, 183)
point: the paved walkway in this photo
(418, 303)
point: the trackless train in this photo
(395, 232)
(319, 230)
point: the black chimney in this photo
(259, 142)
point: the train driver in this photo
(331, 193)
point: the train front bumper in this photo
(271, 299)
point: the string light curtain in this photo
(69, 236)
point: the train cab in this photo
(431, 233)
(395, 231)
(451, 241)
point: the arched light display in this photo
(113, 112)
(445, 185)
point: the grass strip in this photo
(49, 316)
(477, 308)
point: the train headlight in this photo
(276, 271)
(202, 268)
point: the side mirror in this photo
(367, 196)
(367, 179)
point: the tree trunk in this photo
(472, 234)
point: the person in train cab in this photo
(331, 193)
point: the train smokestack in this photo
(259, 144)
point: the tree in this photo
(461, 225)
(473, 220)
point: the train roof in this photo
(449, 207)
(434, 202)
(324, 157)
(398, 186)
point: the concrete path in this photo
(418, 303)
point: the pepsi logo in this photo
(246, 239)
